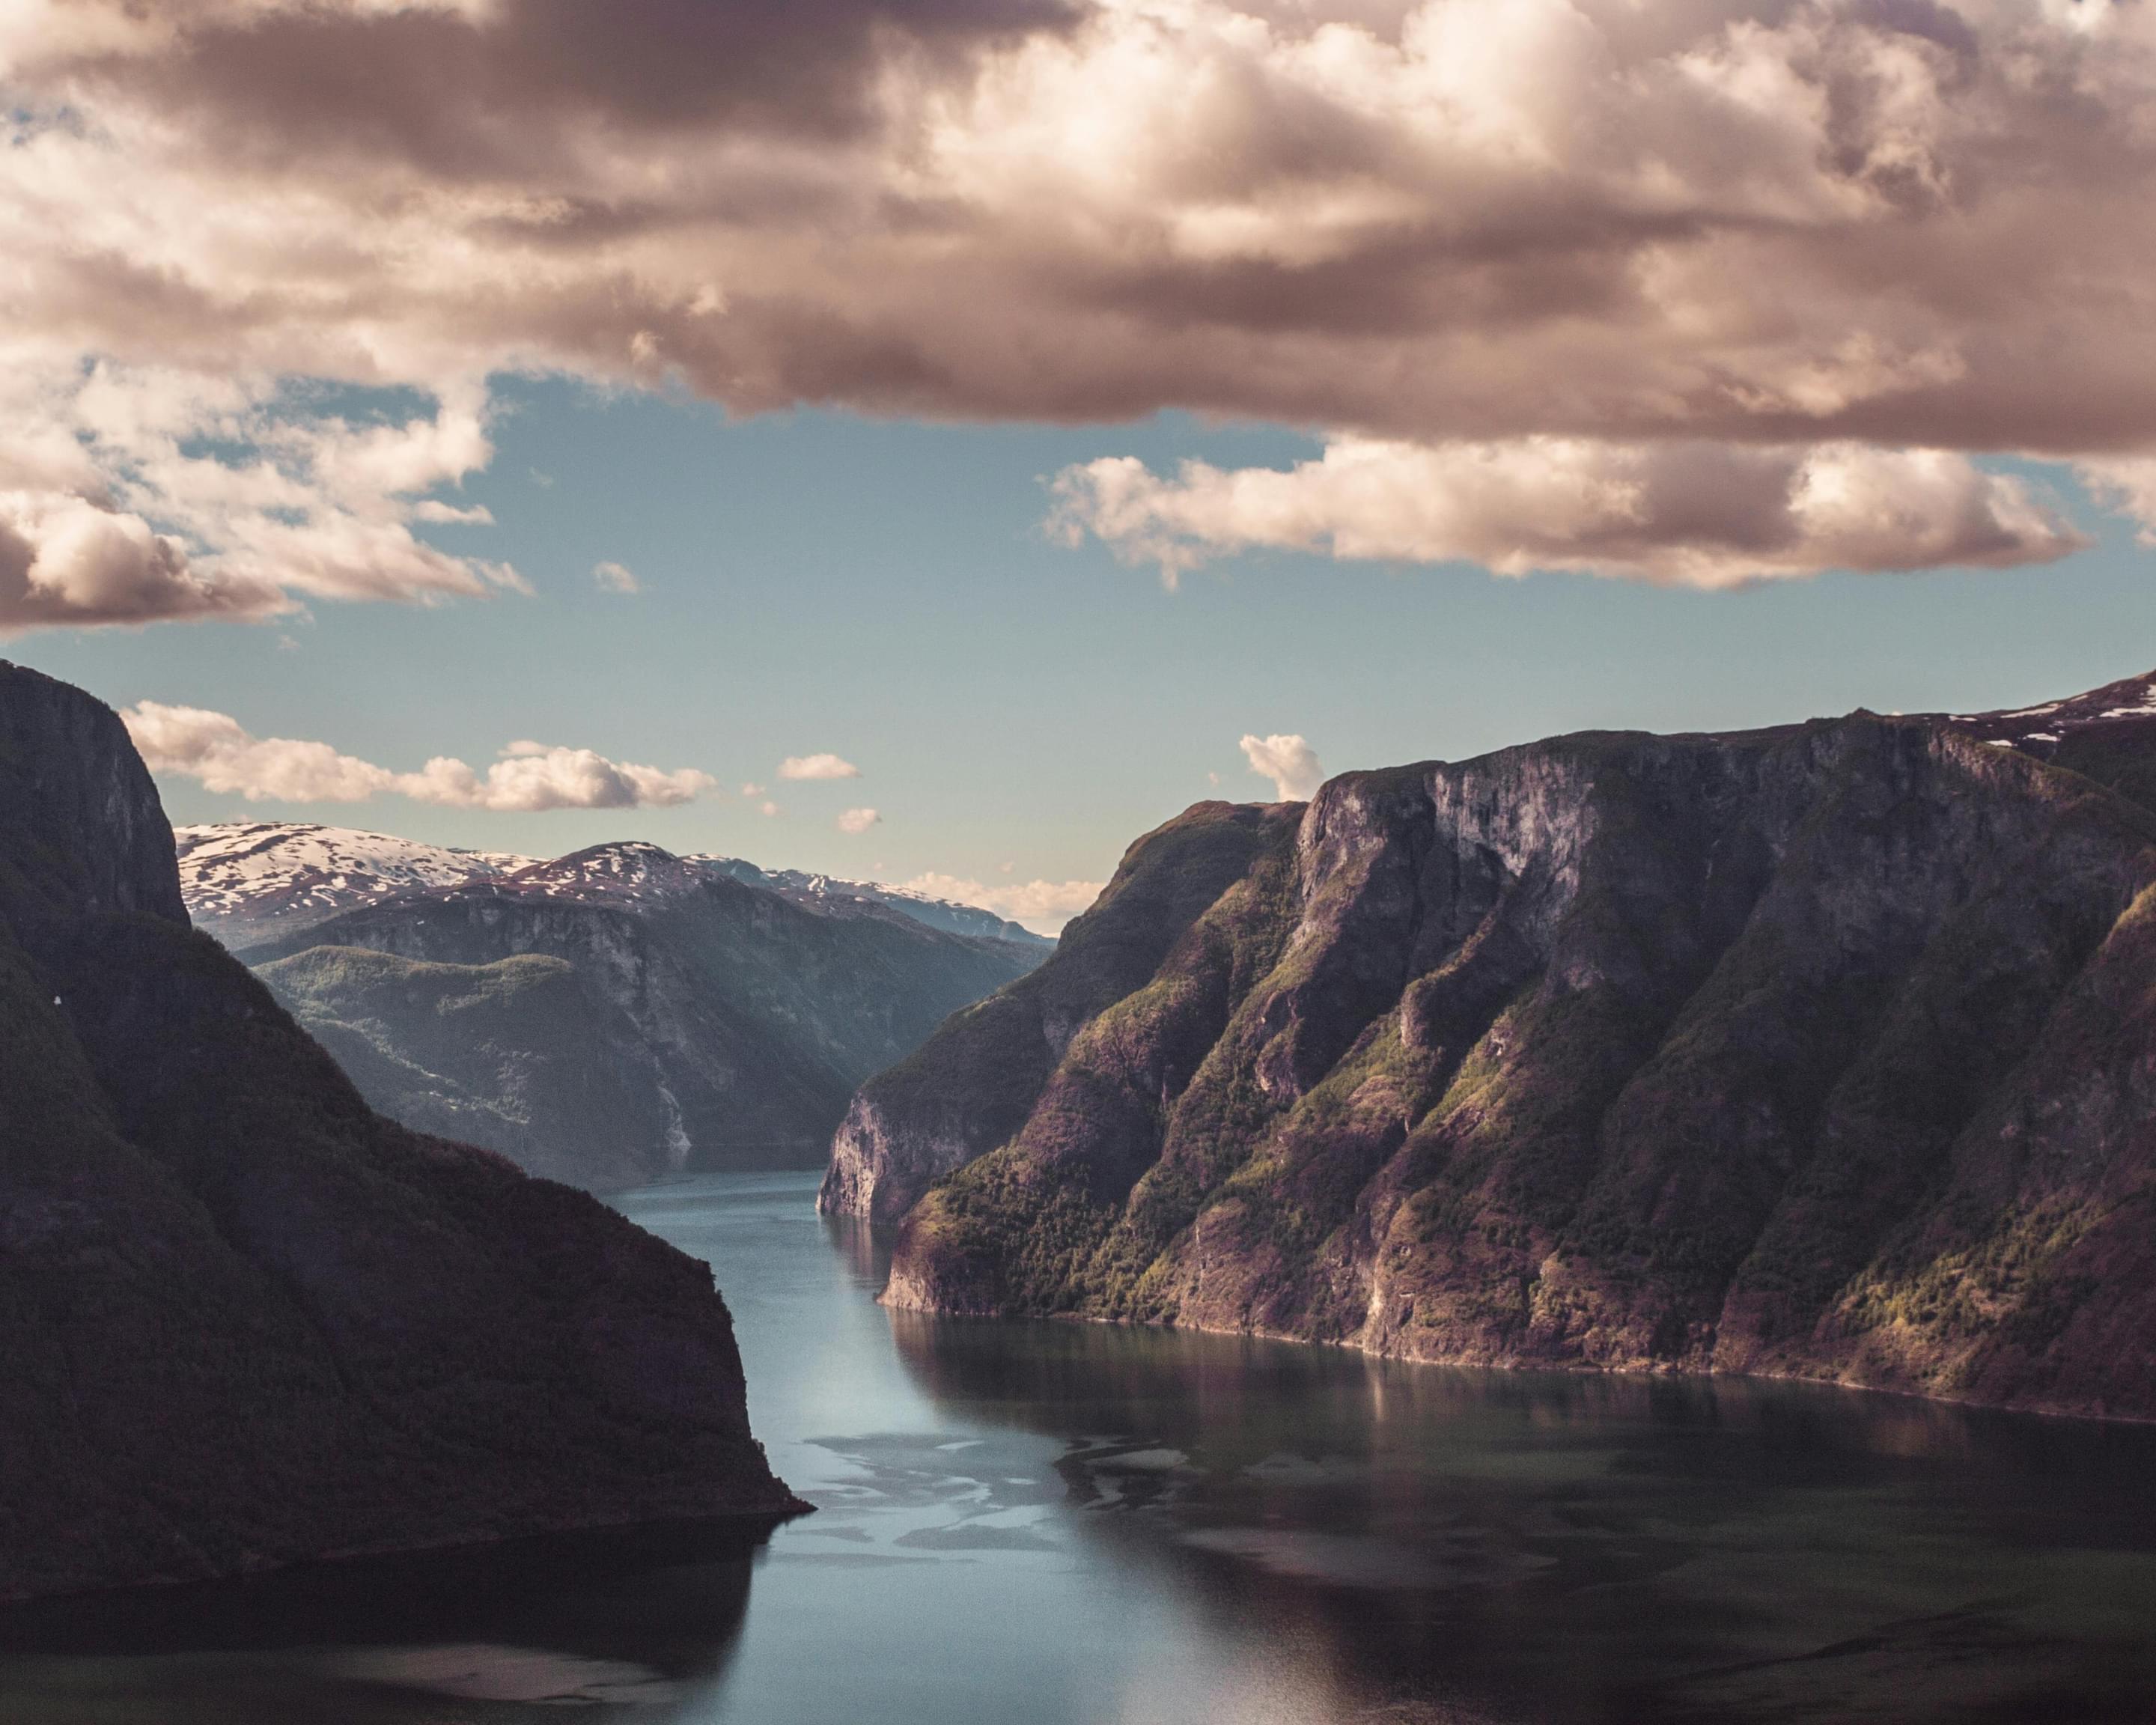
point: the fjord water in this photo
(1069, 1525)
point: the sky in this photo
(938, 443)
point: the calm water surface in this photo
(1065, 1525)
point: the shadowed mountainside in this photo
(248, 1323)
(622, 1013)
(1821, 1051)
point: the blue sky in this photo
(1812, 339)
(885, 591)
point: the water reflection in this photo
(1562, 1547)
(646, 1620)
(1070, 1524)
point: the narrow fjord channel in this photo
(1069, 1525)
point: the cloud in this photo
(770, 810)
(859, 820)
(1290, 763)
(1685, 514)
(615, 577)
(66, 561)
(2127, 486)
(1042, 905)
(1912, 229)
(215, 749)
(194, 496)
(816, 767)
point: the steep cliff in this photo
(969, 1087)
(1823, 1051)
(246, 1321)
(621, 1013)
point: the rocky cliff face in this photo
(654, 1016)
(1822, 1051)
(969, 1088)
(246, 1321)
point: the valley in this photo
(604, 1018)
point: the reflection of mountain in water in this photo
(865, 1248)
(649, 1620)
(1458, 1545)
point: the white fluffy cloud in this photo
(1289, 762)
(1690, 514)
(1863, 238)
(2129, 484)
(67, 560)
(190, 497)
(616, 578)
(859, 820)
(217, 750)
(816, 767)
(1042, 905)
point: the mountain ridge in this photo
(622, 1014)
(250, 1323)
(253, 882)
(1744, 1052)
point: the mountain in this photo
(865, 898)
(970, 1086)
(1825, 1052)
(248, 882)
(247, 1320)
(2108, 735)
(622, 1013)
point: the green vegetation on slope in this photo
(610, 1044)
(971, 1086)
(1627, 1051)
(516, 1055)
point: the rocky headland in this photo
(249, 1322)
(1826, 1051)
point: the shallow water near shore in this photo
(1072, 1525)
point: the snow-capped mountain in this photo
(616, 1013)
(252, 881)
(2116, 709)
(837, 897)
(629, 872)
(246, 881)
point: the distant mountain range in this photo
(1825, 1052)
(606, 1018)
(248, 1321)
(250, 881)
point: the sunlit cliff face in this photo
(1691, 292)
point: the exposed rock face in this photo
(622, 1013)
(970, 1088)
(1824, 1051)
(87, 834)
(247, 1321)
